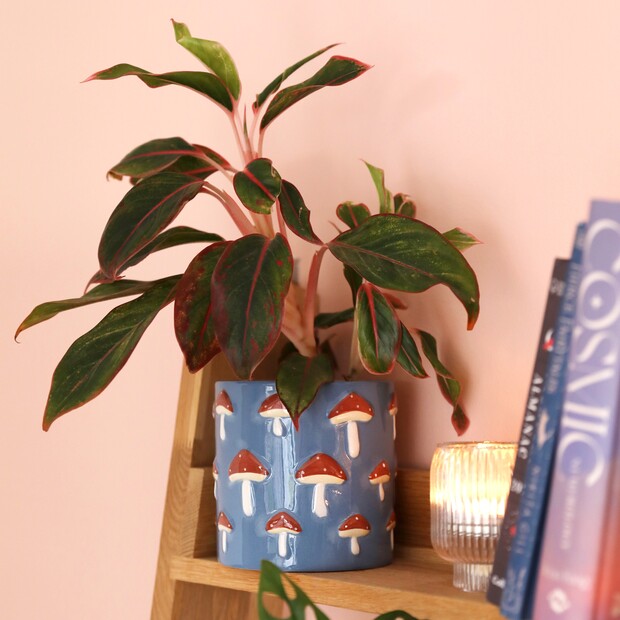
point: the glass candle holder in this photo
(469, 487)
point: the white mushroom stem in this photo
(394, 422)
(224, 543)
(381, 492)
(247, 498)
(277, 427)
(392, 539)
(353, 440)
(319, 507)
(222, 427)
(355, 546)
(215, 488)
(282, 546)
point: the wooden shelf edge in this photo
(418, 582)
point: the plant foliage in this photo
(238, 297)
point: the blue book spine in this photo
(576, 519)
(517, 599)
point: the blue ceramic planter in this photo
(317, 499)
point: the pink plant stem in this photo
(281, 223)
(313, 282)
(227, 173)
(241, 221)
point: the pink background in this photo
(501, 118)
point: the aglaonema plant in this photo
(238, 296)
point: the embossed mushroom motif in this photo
(222, 407)
(354, 527)
(379, 476)
(393, 410)
(320, 470)
(246, 468)
(216, 475)
(273, 408)
(283, 525)
(225, 527)
(351, 410)
(391, 524)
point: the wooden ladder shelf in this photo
(192, 585)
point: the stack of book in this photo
(558, 555)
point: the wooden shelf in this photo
(192, 585)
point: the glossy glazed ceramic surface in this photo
(280, 499)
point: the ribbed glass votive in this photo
(469, 487)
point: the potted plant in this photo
(239, 297)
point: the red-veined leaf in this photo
(203, 83)
(338, 70)
(299, 379)
(385, 197)
(295, 213)
(404, 205)
(409, 356)
(213, 55)
(352, 214)
(275, 84)
(144, 212)
(460, 239)
(193, 311)
(258, 185)
(354, 280)
(249, 285)
(400, 253)
(378, 330)
(103, 292)
(95, 358)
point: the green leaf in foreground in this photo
(299, 379)
(95, 358)
(409, 356)
(385, 197)
(258, 185)
(271, 582)
(212, 54)
(460, 239)
(352, 214)
(400, 253)
(295, 213)
(249, 285)
(103, 292)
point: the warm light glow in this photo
(469, 488)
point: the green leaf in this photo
(378, 178)
(95, 358)
(249, 285)
(275, 84)
(103, 292)
(193, 310)
(258, 185)
(378, 330)
(460, 239)
(203, 83)
(144, 212)
(448, 385)
(199, 166)
(299, 379)
(271, 582)
(409, 356)
(338, 70)
(213, 55)
(396, 615)
(295, 213)
(329, 319)
(404, 254)
(404, 205)
(352, 214)
(354, 279)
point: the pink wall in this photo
(501, 118)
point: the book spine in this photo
(544, 348)
(524, 554)
(576, 518)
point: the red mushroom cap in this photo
(321, 468)
(273, 407)
(380, 474)
(222, 404)
(282, 522)
(393, 406)
(391, 524)
(356, 525)
(245, 466)
(223, 523)
(352, 408)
